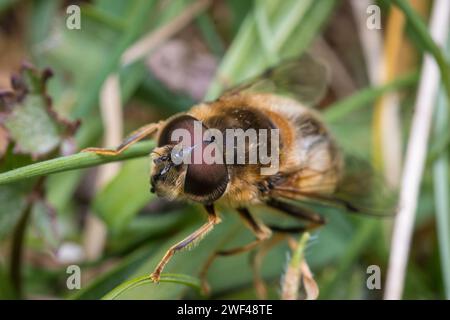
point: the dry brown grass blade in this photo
(387, 124)
(112, 118)
(298, 275)
(341, 81)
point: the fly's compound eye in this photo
(206, 182)
(184, 122)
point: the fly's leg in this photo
(257, 260)
(134, 137)
(287, 230)
(213, 219)
(298, 212)
(261, 231)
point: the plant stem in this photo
(140, 281)
(73, 162)
(17, 251)
(292, 277)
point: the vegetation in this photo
(136, 62)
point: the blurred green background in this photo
(105, 220)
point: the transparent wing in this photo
(360, 190)
(304, 78)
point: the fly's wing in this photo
(304, 78)
(360, 190)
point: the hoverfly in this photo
(312, 168)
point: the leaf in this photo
(45, 224)
(28, 117)
(32, 128)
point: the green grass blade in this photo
(421, 30)
(265, 34)
(145, 280)
(210, 34)
(292, 277)
(287, 21)
(366, 96)
(73, 162)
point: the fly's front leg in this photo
(213, 219)
(259, 229)
(134, 137)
